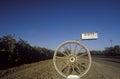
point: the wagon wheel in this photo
(72, 58)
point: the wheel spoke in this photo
(83, 67)
(64, 67)
(80, 50)
(82, 61)
(66, 49)
(75, 49)
(79, 71)
(61, 57)
(82, 64)
(70, 48)
(68, 71)
(73, 68)
(83, 54)
(64, 54)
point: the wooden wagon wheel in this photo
(72, 58)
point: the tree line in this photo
(16, 52)
(108, 52)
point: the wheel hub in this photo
(72, 58)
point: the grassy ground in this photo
(102, 68)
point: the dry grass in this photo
(100, 69)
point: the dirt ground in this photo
(102, 68)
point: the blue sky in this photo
(47, 23)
